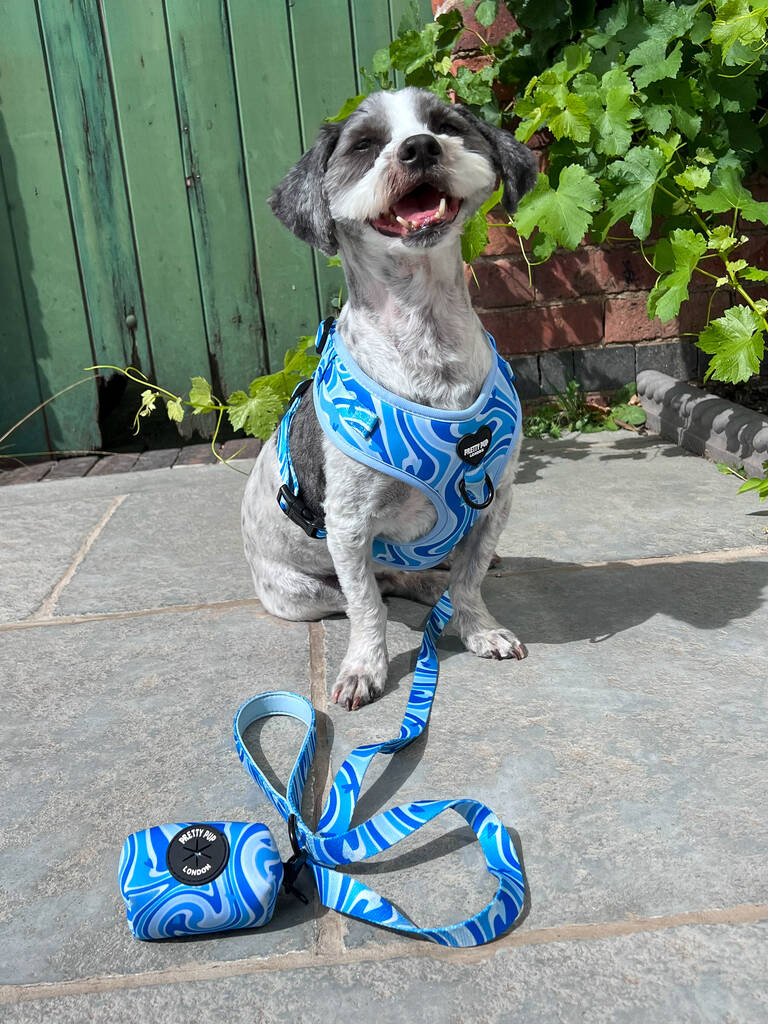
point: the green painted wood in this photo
(154, 171)
(272, 143)
(214, 170)
(371, 29)
(94, 175)
(325, 72)
(19, 386)
(56, 321)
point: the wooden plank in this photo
(325, 72)
(39, 216)
(154, 171)
(19, 386)
(94, 174)
(272, 143)
(371, 31)
(213, 166)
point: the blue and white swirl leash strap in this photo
(335, 843)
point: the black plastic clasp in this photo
(327, 325)
(292, 867)
(300, 513)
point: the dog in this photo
(389, 189)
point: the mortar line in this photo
(376, 953)
(722, 555)
(330, 928)
(47, 607)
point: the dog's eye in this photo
(450, 128)
(362, 145)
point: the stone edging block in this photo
(704, 423)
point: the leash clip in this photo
(292, 867)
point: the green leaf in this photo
(754, 274)
(653, 63)
(257, 414)
(564, 213)
(693, 177)
(174, 409)
(730, 194)
(348, 107)
(738, 22)
(633, 414)
(486, 12)
(572, 121)
(657, 116)
(474, 237)
(200, 396)
(736, 343)
(381, 61)
(638, 175)
(687, 247)
(755, 483)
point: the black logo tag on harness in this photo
(197, 854)
(472, 447)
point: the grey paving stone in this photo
(113, 726)
(39, 542)
(607, 496)
(242, 448)
(625, 750)
(68, 468)
(162, 458)
(176, 544)
(680, 359)
(689, 975)
(24, 474)
(122, 463)
(526, 370)
(195, 455)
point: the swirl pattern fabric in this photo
(242, 896)
(417, 444)
(335, 843)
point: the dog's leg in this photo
(426, 586)
(478, 629)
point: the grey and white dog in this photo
(389, 188)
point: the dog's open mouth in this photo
(422, 207)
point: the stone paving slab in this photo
(626, 750)
(689, 975)
(39, 542)
(607, 496)
(112, 726)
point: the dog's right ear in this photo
(300, 202)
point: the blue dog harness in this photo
(455, 458)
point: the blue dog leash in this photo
(334, 843)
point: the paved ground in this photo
(628, 753)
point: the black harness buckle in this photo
(294, 864)
(300, 513)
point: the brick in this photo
(25, 474)
(556, 369)
(626, 319)
(64, 469)
(161, 458)
(251, 446)
(121, 463)
(604, 368)
(501, 282)
(526, 370)
(619, 270)
(693, 313)
(565, 275)
(502, 241)
(542, 328)
(195, 455)
(502, 26)
(677, 358)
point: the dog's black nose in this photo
(419, 152)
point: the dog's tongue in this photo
(418, 206)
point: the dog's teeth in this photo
(414, 225)
(441, 208)
(404, 223)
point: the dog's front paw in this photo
(495, 643)
(357, 686)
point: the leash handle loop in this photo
(334, 843)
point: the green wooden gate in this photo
(139, 140)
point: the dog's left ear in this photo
(515, 163)
(300, 202)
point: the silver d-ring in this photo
(474, 504)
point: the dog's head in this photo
(403, 170)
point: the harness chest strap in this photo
(455, 458)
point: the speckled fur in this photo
(409, 324)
